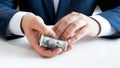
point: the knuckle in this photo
(82, 32)
(49, 55)
(66, 34)
(74, 12)
(35, 18)
(76, 37)
(82, 16)
(54, 28)
(58, 32)
(74, 25)
(80, 13)
(67, 21)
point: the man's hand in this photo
(32, 27)
(75, 26)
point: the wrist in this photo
(96, 31)
(99, 26)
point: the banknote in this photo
(49, 42)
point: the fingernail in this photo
(62, 38)
(69, 41)
(70, 47)
(59, 51)
(53, 34)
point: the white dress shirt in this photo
(14, 25)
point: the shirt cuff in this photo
(14, 26)
(106, 28)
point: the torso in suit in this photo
(45, 9)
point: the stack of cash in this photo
(49, 42)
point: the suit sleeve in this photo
(113, 16)
(7, 10)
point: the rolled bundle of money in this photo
(49, 42)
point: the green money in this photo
(49, 42)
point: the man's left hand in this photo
(75, 26)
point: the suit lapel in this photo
(62, 7)
(49, 8)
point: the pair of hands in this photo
(71, 27)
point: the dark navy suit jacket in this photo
(45, 9)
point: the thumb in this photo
(42, 28)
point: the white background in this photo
(87, 53)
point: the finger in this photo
(72, 28)
(79, 34)
(42, 28)
(65, 17)
(65, 23)
(51, 52)
(68, 49)
(45, 52)
(33, 37)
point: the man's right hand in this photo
(32, 27)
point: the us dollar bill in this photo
(49, 42)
